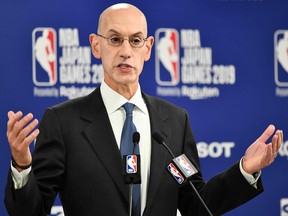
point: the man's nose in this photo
(125, 49)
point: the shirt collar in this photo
(113, 100)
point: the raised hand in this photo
(261, 154)
(21, 131)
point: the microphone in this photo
(132, 164)
(181, 169)
(160, 140)
(135, 139)
(132, 173)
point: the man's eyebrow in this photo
(113, 31)
(138, 33)
(116, 32)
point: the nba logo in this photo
(44, 56)
(284, 207)
(175, 173)
(281, 58)
(167, 57)
(131, 164)
(185, 165)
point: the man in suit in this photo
(77, 151)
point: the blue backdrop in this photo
(224, 61)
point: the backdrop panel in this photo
(227, 66)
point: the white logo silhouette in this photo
(168, 55)
(282, 51)
(45, 55)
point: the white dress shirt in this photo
(113, 102)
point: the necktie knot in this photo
(128, 108)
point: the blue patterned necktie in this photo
(126, 148)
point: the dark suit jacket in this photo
(76, 155)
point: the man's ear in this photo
(149, 44)
(94, 43)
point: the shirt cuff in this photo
(20, 178)
(251, 179)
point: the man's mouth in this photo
(123, 66)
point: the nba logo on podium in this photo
(131, 164)
(175, 173)
(167, 57)
(44, 54)
(186, 167)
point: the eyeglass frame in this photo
(122, 40)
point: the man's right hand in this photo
(21, 131)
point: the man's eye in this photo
(136, 40)
(115, 40)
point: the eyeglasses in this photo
(116, 41)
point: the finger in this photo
(271, 154)
(270, 157)
(267, 133)
(275, 141)
(279, 133)
(28, 134)
(12, 119)
(280, 139)
(29, 139)
(21, 123)
(10, 114)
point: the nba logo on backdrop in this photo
(281, 58)
(167, 57)
(284, 207)
(44, 56)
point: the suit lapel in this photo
(102, 139)
(159, 154)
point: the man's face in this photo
(122, 64)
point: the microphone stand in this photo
(130, 198)
(131, 187)
(200, 198)
(133, 179)
(160, 140)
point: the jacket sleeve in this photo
(38, 195)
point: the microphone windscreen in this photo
(136, 137)
(158, 137)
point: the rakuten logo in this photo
(215, 149)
